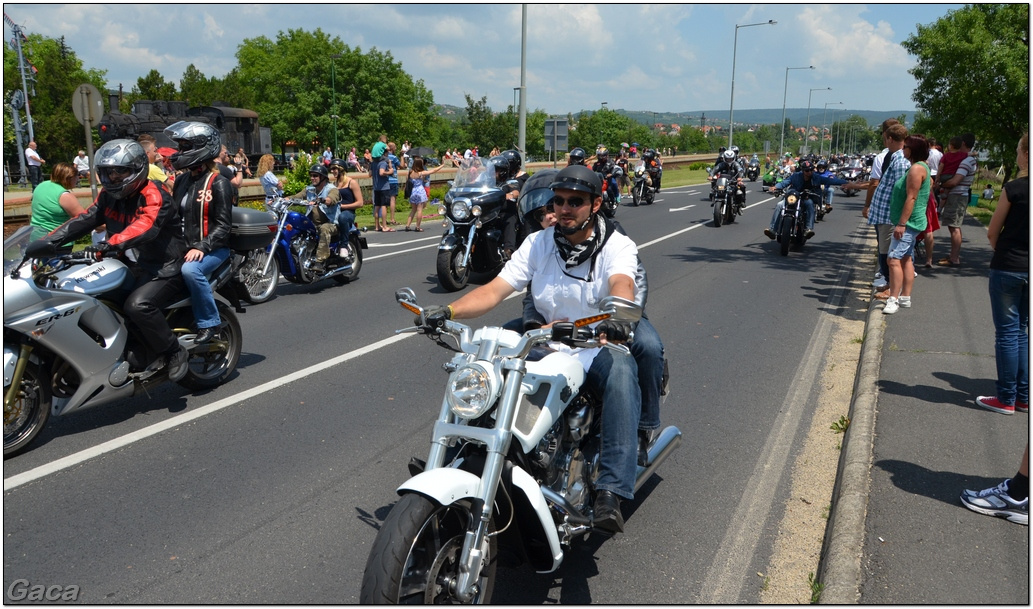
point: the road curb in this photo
(840, 570)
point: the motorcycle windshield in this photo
(475, 174)
(14, 248)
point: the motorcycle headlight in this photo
(472, 390)
(791, 200)
(460, 210)
(720, 186)
(476, 211)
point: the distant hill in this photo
(798, 116)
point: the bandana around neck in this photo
(575, 255)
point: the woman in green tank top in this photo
(52, 203)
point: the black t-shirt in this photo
(1012, 252)
(229, 174)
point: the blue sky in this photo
(659, 57)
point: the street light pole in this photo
(782, 126)
(333, 93)
(807, 129)
(821, 135)
(731, 103)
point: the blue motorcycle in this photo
(293, 253)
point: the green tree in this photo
(60, 71)
(153, 86)
(973, 75)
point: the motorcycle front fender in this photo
(446, 485)
(449, 242)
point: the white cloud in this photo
(211, 31)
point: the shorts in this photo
(883, 233)
(903, 247)
(381, 198)
(393, 190)
(954, 210)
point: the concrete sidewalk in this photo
(898, 533)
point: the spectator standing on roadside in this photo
(1008, 233)
(82, 165)
(959, 189)
(328, 156)
(271, 185)
(420, 192)
(932, 213)
(240, 160)
(882, 273)
(34, 165)
(907, 212)
(154, 169)
(52, 203)
(877, 211)
(381, 194)
(231, 173)
(392, 181)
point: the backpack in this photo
(408, 187)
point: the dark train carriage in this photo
(239, 126)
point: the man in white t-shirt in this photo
(82, 165)
(34, 162)
(574, 265)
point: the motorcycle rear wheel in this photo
(260, 288)
(451, 277)
(31, 410)
(786, 235)
(356, 248)
(212, 363)
(416, 554)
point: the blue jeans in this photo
(615, 377)
(648, 352)
(201, 298)
(345, 222)
(1009, 303)
(807, 203)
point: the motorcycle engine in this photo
(568, 454)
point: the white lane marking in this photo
(682, 208)
(116, 443)
(400, 243)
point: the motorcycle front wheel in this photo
(416, 555)
(786, 235)
(260, 287)
(30, 411)
(212, 363)
(719, 212)
(636, 196)
(450, 275)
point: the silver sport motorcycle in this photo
(67, 346)
(513, 459)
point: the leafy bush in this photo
(699, 165)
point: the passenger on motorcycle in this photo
(654, 168)
(569, 267)
(806, 179)
(537, 213)
(822, 169)
(324, 214)
(139, 216)
(510, 217)
(350, 200)
(576, 157)
(608, 168)
(206, 206)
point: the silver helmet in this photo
(196, 142)
(121, 168)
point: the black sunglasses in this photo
(572, 202)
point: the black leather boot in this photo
(607, 513)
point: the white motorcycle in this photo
(67, 346)
(513, 460)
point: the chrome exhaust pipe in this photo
(668, 440)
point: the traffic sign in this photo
(87, 105)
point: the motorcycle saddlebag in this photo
(251, 229)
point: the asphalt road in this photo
(270, 489)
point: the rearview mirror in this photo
(621, 309)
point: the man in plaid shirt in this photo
(894, 166)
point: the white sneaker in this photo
(891, 306)
(904, 302)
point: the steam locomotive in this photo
(238, 126)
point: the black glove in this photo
(616, 331)
(96, 252)
(435, 316)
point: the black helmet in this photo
(320, 169)
(339, 163)
(514, 161)
(121, 167)
(501, 165)
(536, 193)
(649, 155)
(576, 157)
(823, 165)
(578, 177)
(197, 143)
(806, 166)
